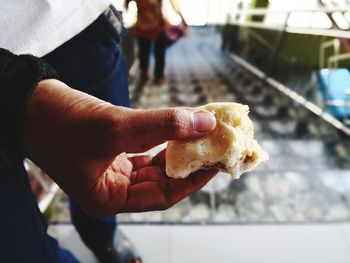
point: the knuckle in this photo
(177, 121)
(119, 128)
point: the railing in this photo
(241, 18)
(327, 39)
(45, 189)
(334, 44)
(292, 94)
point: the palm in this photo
(140, 184)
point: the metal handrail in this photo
(243, 14)
(296, 30)
(291, 94)
(334, 60)
(238, 13)
(335, 44)
(265, 11)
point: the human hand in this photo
(80, 141)
(142, 184)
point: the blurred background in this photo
(289, 61)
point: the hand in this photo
(80, 141)
(142, 185)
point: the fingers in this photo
(159, 159)
(147, 168)
(143, 197)
(142, 161)
(140, 130)
(149, 174)
(152, 190)
(139, 162)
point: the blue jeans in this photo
(23, 235)
(90, 62)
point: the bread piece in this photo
(230, 146)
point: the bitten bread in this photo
(230, 146)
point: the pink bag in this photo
(170, 33)
(173, 33)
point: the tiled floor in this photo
(307, 178)
(306, 181)
(325, 243)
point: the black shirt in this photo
(19, 76)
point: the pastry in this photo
(230, 146)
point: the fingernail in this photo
(203, 121)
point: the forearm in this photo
(176, 6)
(19, 76)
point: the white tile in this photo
(153, 242)
(345, 228)
(251, 244)
(326, 243)
(69, 239)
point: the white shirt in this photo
(39, 26)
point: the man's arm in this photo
(176, 6)
(80, 141)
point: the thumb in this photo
(140, 130)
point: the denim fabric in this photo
(23, 235)
(90, 62)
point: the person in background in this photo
(148, 30)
